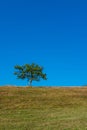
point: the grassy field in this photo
(43, 108)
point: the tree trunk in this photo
(30, 83)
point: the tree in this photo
(31, 72)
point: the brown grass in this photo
(43, 108)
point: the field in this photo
(25, 108)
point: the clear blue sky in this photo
(51, 33)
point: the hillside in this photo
(24, 108)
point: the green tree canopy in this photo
(31, 72)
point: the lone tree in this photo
(31, 72)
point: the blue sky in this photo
(51, 33)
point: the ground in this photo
(43, 108)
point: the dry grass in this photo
(24, 108)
